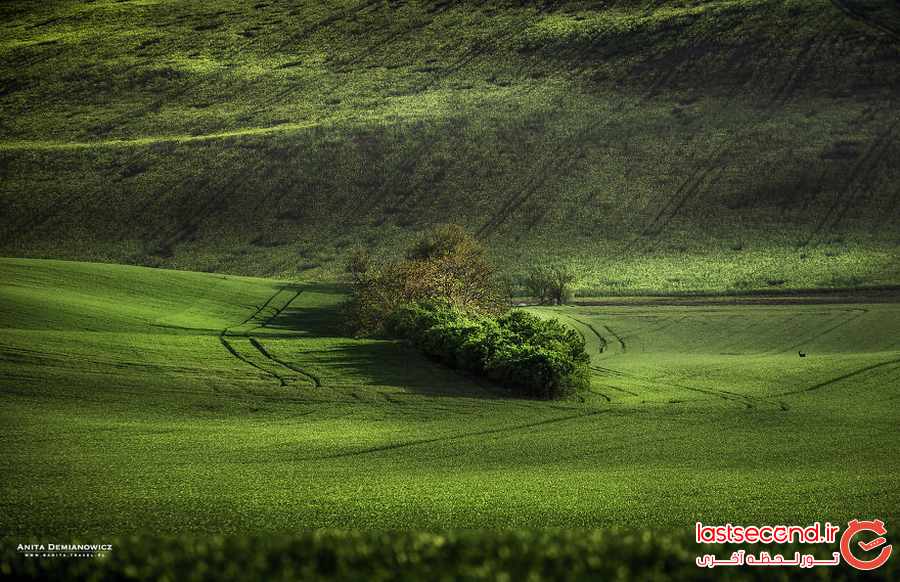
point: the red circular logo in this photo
(876, 527)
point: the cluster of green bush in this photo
(533, 357)
(446, 298)
(607, 554)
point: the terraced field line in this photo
(736, 397)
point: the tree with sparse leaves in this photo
(551, 284)
(446, 263)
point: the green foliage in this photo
(446, 264)
(444, 240)
(533, 357)
(615, 554)
(551, 284)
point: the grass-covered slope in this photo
(729, 144)
(144, 399)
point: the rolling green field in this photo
(717, 145)
(182, 183)
(137, 399)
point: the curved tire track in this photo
(234, 352)
(314, 379)
(277, 363)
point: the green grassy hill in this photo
(687, 145)
(136, 399)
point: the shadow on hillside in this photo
(321, 320)
(375, 364)
(381, 365)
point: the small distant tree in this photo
(444, 241)
(551, 284)
(446, 264)
(359, 266)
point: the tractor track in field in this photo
(600, 394)
(535, 179)
(261, 307)
(706, 174)
(746, 401)
(312, 378)
(217, 198)
(557, 164)
(848, 194)
(819, 334)
(330, 19)
(475, 51)
(604, 343)
(260, 350)
(749, 402)
(616, 388)
(569, 156)
(620, 341)
(864, 18)
(665, 324)
(456, 437)
(342, 66)
(280, 310)
(561, 161)
(389, 39)
(234, 352)
(842, 377)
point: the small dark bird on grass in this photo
(802, 354)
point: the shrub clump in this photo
(551, 284)
(447, 263)
(533, 357)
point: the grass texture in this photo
(718, 146)
(136, 399)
